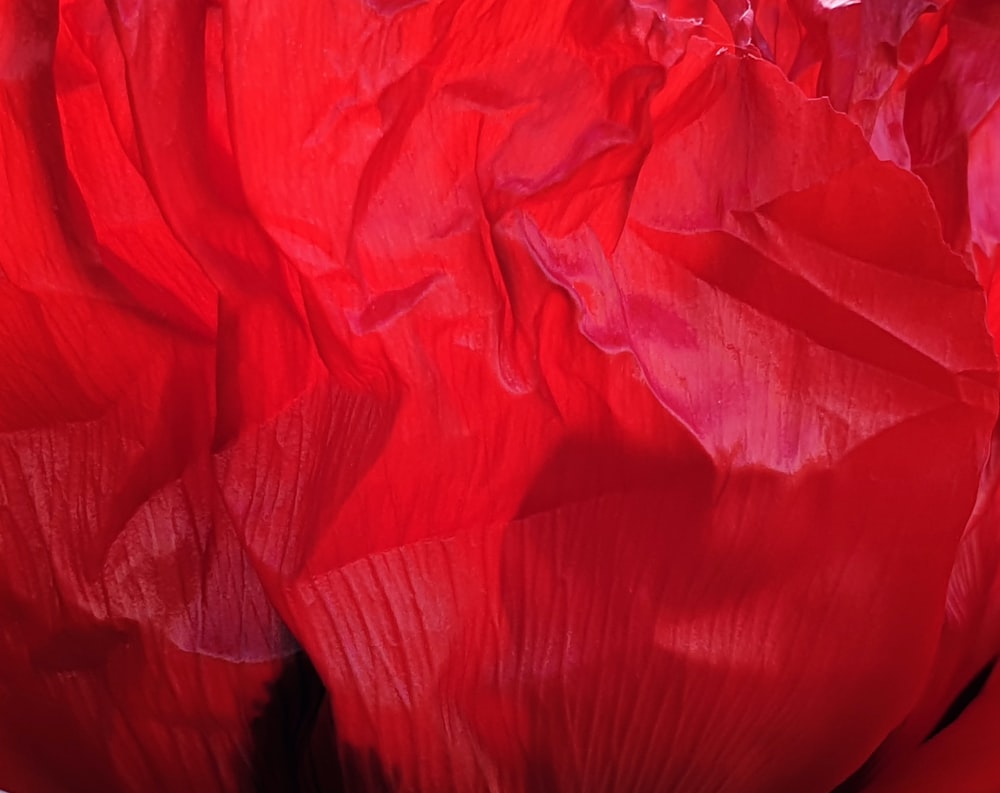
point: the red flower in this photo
(452, 396)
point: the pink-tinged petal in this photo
(916, 77)
(945, 100)
(595, 409)
(568, 565)
(753, 264)
(984, 197)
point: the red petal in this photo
(115, 591)
(962, 758)
(543, 367)
(542, 653)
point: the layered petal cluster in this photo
(445, 396)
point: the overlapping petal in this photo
(599, 395)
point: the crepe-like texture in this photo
(453, 396)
